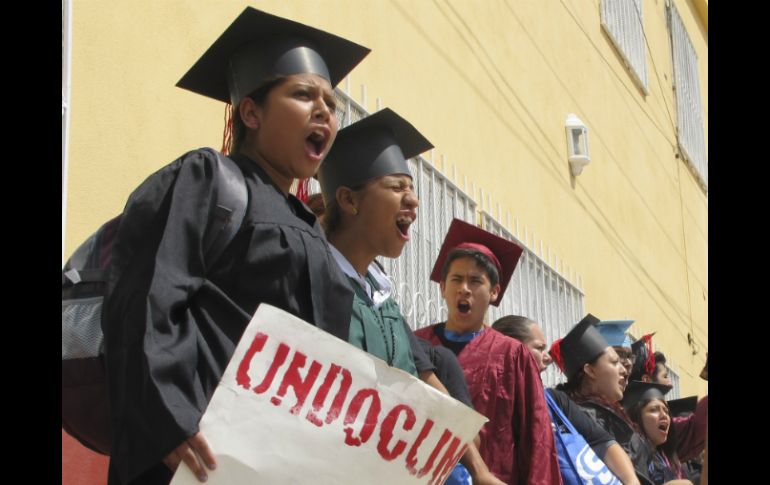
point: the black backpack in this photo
(85, 404)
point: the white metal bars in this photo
(674, 376)
(539, 292)
(689, 110)
(440, 202)
(536, 290)
(622, 20)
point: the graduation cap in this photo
(373, 147)
(503, 253)
(614, 332)
(581, 345)
(685, 405)
(259, 46)
(644, 363)
(640, 391)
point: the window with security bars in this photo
(536, 290)
(622, 21)
(689, 109)
(674, 376)
(539, 292)
(440, 201)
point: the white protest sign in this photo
(297, 405)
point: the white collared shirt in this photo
(378, 297)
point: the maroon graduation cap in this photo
(503, 253)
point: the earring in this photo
(355, 211)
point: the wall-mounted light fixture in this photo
(577, 144)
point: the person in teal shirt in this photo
(370, 204)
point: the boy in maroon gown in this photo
(473, 269)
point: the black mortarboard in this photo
(640, 391)
(373, 147)
(581, 345)
(503, 253)
(259, 46)
(685, 405)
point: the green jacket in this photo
(378, 331)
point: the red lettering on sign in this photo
(411, 458)
(280, 358)
(441, 442)
(242, 376)
(323, 392)
(386, 432)
(448, 461)
(371, 416)
(301, 386)
(444, 455)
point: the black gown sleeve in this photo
(171, 323)
(152, 343)
(449, 372)
(597, 438)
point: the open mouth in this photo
(663, 427)
(317, 141)
(403, 223)
(464, 307)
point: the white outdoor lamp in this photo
(577, 144)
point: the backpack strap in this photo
(557, 415)
(229, 210)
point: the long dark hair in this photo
(574, 389)
(669, 446)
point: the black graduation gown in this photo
(637, 447)
(171, 324)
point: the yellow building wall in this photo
(490, 83)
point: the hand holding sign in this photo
(296, 404)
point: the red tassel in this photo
(555, 352)
(303, 190)
(649, 361)
(227, 136)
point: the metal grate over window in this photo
(622, 20)
(539, 292)
(674, 376)
(689, 110)
(536, 290)
(440, 202)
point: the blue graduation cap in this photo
(614, 332)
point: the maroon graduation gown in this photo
(517, 442)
